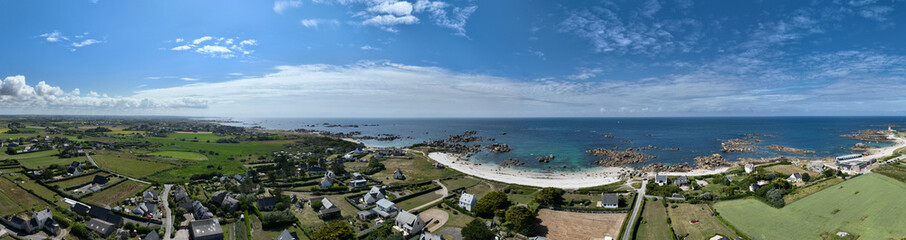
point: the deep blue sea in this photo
(569, 138)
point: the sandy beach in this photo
(573, 180)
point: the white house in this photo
(466, 201)
(796, 177)
(409, 223)
(660, 180)
(610, 200)
(750, 168)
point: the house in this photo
(610, 200)
(80, 209)
(200, 212)
(795, 177)
(74, 169)
(815, 167)
(677, 196)
(179, 194)
(374, 195)
(151, 195)
(364, 215)
(750, 168)
(681, 180)
(101, 227)
(409, 223)
(151, 236)
(145, 209)
(398, 174)
(286, 235)
(41, 220)
(754, 187)
(358, 181)
(385, 208)
(429, 236)
(267, 203)
(328, 209)
(238, 178)
(229, 204)
(326, 182)
(466, 201)
(316, 170)
(207, 229)
(105, 214)
(660, 180)
(348, 156)
(100, 180)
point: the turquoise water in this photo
(569, 138)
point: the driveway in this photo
(635, 211)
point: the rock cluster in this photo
(788, 149)
(511, 162)
(738, 145)
(468, 136)
(660, 167)
(545, 159)
(861, 147)
(498, 148)
(711, 162)
(869, 136)
(618, 158)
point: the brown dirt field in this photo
(559, 225)
(434, 214)
(116, 193)
(789, 169)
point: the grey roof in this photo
(152, 236)
(660, 178)
(286, 236)
(797, 175)
(98, 179)
(610, 198)
(407, 218)
(99, 226)
(468, 198)
(327, 204)
(384, 203)
(429, 236)
(203, 228)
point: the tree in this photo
(492, 201)
(316, 205)
(775, 197)
(476, 230)
(334, 231)
(550, 196)
(829, 173)
(806, 177)
(521, 219)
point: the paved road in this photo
(168, 218)
(117, 174)
(627, 233)
(446, 193)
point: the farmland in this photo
(653, 224)
(109, 196)
(408, 204)
(868, 205)
(14, 199)
(127, 164)
(788, 169)
(696, 221)
(572, 225)
(181, 155)
(416, 169)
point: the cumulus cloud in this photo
(218, 47)
(86, 42)
(388, 14)
(15, 93)
(280, 6)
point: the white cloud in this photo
(386, 14)
(401, 8)
(387, 22)
(188, 79)
(314, 23)
(609, 31)
(54, 36)
(369, 47)
(179, 40)
(585, 74)
(16, 94)
(235, 74)
(219, 47)
(282, 5)
(86, 42)
(456, 19)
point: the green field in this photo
(127, 164)
(14, 199)
(76, 180)
(127, 132)
(653, 224)
(812, 189)
(181, 155)
(417, 169)
(419, 200)
(42, 191)
(869, 205)
(463, 182)
(683, 219)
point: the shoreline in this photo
(595, 177)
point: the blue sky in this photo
(421, 58)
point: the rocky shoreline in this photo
(869, 136)
(616, 158)
(788, 149)
(738, 145)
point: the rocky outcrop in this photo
(545, 159)
(757, 161)
(738, 145)
(468, 136)
(869, 136)
(498, 148)
(660, 167)
(511, 162)
(711, 162)
(861, 147)
(616, 158)
(788, 149)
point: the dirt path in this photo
(434, 215)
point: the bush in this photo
(521, 219)
(550, 196)
(487, 205)
(775, 198)
(476, 230)
(334, 231)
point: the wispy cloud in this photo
(73, 43)
(390, 14)
(282, 5)
(625, 32)
(218, 47)
(188, 79)
(369, 48)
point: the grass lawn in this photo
(127, 132)
(76, 180)
(417, 169)
(806, 191)
(258, 233)
(14, 199)
(408, 204)
(653, 224)
(895, 170)
(478, 190)
(706, 227)
(181, 155)
(463, 182)
(42, 191)
(456, 219)
(869, 206)
(307, 217)
(39, 159)
(127, 164)
(112, 195)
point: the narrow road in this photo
(168, 218)
(446, 193)
(117, 174)
(627, 233)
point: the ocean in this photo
(677, 140)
